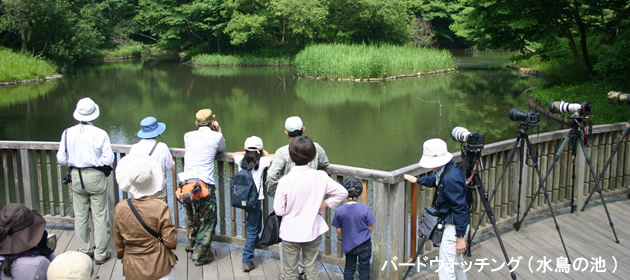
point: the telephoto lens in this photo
(517, 115)
(564, 107)
(615, 97)
(460, 134)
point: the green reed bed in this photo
(122, 51)
(239, 60)
(17, 67)
(336, 61)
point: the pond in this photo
(377, 125)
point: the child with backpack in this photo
(255, 159)
(354, 222)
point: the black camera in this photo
(615, 97)
(583, 109)
(472, 140)
(529, 119)
(68, 178)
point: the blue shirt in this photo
(353, 218)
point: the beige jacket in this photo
(143, 256)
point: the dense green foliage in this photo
(366, 61)
(16, 67)
(573, 41)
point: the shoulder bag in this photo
(432, 223)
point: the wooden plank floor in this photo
(226, 265)
(587, 235)
(588, 238)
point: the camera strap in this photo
(153, 149)
(135, 213)
(439, 187)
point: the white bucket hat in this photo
(434, 154)
(139, 175)
(253, 143)
(71, 265)
(86, 110)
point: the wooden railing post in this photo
(379, 234)
(28, 179)
(397, 226)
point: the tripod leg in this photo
(488, 210)
(505, 166)
(601, 195)
(517, 225)
(614, 151)
(553, 215)
(415, 257)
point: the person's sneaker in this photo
(248, 267)
(302, 276)
(108, 255)
(202, 262)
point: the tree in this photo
(515, 24)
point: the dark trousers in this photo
(362, 253)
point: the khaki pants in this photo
(161, 195)
(90, 198)
(291, 252)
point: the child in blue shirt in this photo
(354, 222)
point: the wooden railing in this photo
(32, 176)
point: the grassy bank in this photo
(18, 67)
(335, 61)
(570, 83)
(239, 60)
(122, 51)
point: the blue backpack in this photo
(244, 193)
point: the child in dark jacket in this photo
(354, 222)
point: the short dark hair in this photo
(295, 133)
(302, 150)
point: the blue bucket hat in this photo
(151, 128)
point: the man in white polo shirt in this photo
(85, 148)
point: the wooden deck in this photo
(587, 235)
(588, 238)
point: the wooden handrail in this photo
(31, 175)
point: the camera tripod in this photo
(576, 135)
(601, 176)
(472, 165)
(523, 139)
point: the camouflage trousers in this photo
(202, 220)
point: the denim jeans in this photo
(253, 227)
(363, 253)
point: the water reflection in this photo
(378, 125)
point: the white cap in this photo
(253, 143)
(293, 123)
(86, 110)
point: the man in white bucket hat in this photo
(86, 150)
(451, 205)
(144, 254)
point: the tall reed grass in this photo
(17, 67)
(337, 61)
(239, 60)
(122, 51)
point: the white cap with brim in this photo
(86, 110)
(293, 123)
(434, 154)
(139, 175)
(253, 143)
